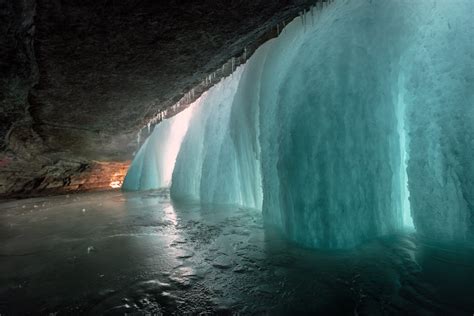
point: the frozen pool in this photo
(116, 253)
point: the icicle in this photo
(245, 53)
(149, 125)
(278, 29)
(233, 64)
(304, 20)
(312, 16)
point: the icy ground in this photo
(116, 253)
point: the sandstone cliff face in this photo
(79, 78)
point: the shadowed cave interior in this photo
(277, 158)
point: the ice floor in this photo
(116, 253)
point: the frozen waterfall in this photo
(439, 67)
(355, 120)
(153, 165)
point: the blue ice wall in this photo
(329, 126)
(205, 166)
(354, 123)
(153, 164)
(310, 123)
(223, 142)
(439, 71)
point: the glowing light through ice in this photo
(153, 165)
(404, 191)
(178, 127)
(338, 131)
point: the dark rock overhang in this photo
(81, 78)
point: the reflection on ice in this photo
(140, 253)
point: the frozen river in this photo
(117, 253)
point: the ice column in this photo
(325, 125)
(219, 160)
(205, 167)
(153, 165)
(440, 105)
(329, 142)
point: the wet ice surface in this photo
(115, 253)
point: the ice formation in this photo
(439, 72)
(196, 175)
(355, 119)
(332, 133)
(223, 141)
(153, 165)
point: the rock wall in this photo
(61, 177)
(78, 79)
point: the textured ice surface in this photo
(353, 118)
(154, 163)
(218, 161)
(205, 165)
(439, 70)
(150, 256)
(321, 102)
(329, 123)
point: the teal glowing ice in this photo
(356, 119)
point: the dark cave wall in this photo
(18, 69)
(109, 64)
(79, 78)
